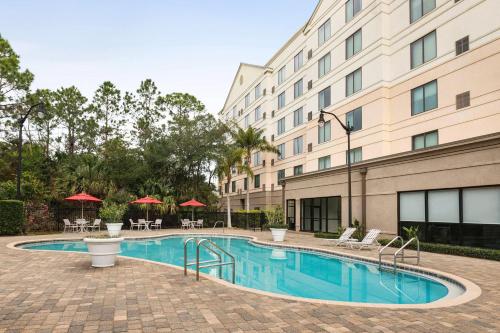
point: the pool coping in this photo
(471, 290)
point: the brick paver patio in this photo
(59, 292)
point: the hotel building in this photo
(418, 81)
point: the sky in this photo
(192, 46)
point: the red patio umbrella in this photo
(147, 200)
(82, 197)
(192, 203)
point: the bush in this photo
(275, 218)
(455, 250)
(11, 217)
(326, 235)
(112, 212)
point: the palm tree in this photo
(251, 140)
(231, 157)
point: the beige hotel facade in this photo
(419, 82)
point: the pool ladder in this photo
(400, 253)
(209, 246)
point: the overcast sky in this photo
(190, 46)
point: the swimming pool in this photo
(287, 271)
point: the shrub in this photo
(326, 235)
(464, 251)
(112, 212)
(11, 217)
(275, 218)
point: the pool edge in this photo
(471, 290)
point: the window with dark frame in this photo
(297, 170)
(353, 82)
(425, 140)
(424, 98)
(298, 117)
(256, 181)
(281, 100)
(423, 49)
(354, 119)
(233, 186)
(462, 45)
(324, 98)
(352, 8)
(419, 8)
(356, 155)
(245, 184)
(280, 175)
(298, 61)
(353, 44)
(298, 89)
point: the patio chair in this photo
(369, 240)
(199, 224)
(134, 224)
(69, 226)
(185, 224)
(156, 225)
(345, 237)
(95, 225)
(142, 223)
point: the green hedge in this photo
(326, 235)
(464, 251)
(11, 217)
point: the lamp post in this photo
(348, 130)
(20, 123)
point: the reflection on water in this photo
(288, 272)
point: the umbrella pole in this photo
(192, 214)
(82, 208)
(147, 212)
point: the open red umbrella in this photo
(192, 203)
(147, 200)
(82, 197)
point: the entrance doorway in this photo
(320, 214)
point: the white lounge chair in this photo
(69, 226)
(134, 224)
(95, 225)
(345, 237)
(199, 224)
(156, 225)
(369, 240)
(185, 224)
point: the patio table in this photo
(82, 224)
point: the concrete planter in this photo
(278, 234)
(114, 229)
(103, 251)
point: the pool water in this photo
(287, 271)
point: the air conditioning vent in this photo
(309, 54)
(309, 84)
(263, 163)
(264, 115)
(310, 147)
(272, 90)
(309, 116)
(272, 162)
(264, 92)
(272, 138)
(272, 114)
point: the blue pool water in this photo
(287, 271)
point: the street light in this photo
(20, 123)
(348, 130)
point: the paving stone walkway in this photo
(59, 292)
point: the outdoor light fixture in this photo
(40, 107)
(348, 130)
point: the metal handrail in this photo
(402, 249)
(380, 252)
(202, 242)
(208, 263)
(216, 223)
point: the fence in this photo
(53, 218)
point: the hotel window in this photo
(298, 117)
(245, 184)
(226, 187)
(258, 91)
(324, 162)
(281, 75)
(353, 82)
(233, 186)
(425, 140)
(281, 175)
(324, 32)
(324, 65)
(423, 49)
(298, 170)
(256, 159)
(247, 100)
(298, 61)
(324, 98)
(353, 44)
(298, 145)
(281, 100)
(352, 7)
(281, 126)
(247, 121)
(281, 151)
(424, 98)
(234, 112)
(354, 119)
(325, 132)
(462, 45)
(356, 155)
(298, 89)
(258, 113)
(256, 181)
(419, 8)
